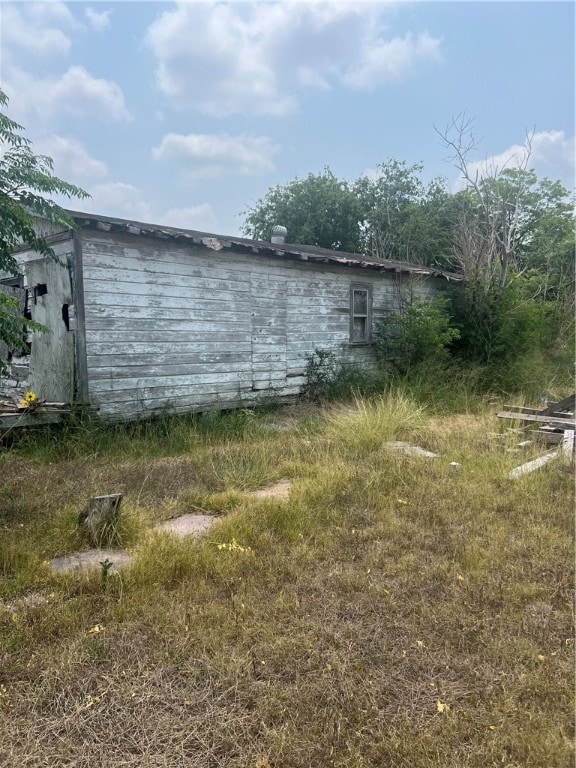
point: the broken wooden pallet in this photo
(556, 427)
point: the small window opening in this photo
(40, 290)
(360, 314)
(66, 316)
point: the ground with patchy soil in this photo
(345, 605)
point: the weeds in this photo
(330, 378)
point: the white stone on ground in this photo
(91, 558)
(412, 450)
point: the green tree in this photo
(405, 219)
(26, 179)
(319, 210)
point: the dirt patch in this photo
(290, 417)
(279, 490)
(30, 600)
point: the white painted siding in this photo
(185, 327)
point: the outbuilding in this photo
(145, 318)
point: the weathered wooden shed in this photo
(146, 318)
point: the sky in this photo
(186, 113)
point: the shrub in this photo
(420, 333)
(328, 378)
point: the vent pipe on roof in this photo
(279, 234)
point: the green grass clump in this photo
(369, 423)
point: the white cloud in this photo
(98, 19)
(251, 58)
(200, 217)
(48, 12)
(76, 93)
(216, 154)
(552, 155)
(35, 28)
(386, 60)
(71, 160)
(125, 201)
(118, 199)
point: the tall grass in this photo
(369, 423)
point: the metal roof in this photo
(310, 253)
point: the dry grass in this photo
(389, 613)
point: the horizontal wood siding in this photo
(186, 328)
(167, 327)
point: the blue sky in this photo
(187, 113)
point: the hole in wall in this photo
(40, 290)
(66, 316)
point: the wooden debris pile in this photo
(552, 421)
(556, 426)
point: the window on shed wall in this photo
(360, 313)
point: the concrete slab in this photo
(91, 558)
(187, 525)
(279, 490)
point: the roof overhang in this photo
(288, 251)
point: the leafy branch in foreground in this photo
(26, 179)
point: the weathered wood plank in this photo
(566, 422)
(175, 298)
(77, 279)
(137, 400)
(550, 438)
(121, 411)
(176, 265)
(151, 381)
(108, 341)
(165, 371)
(568, 444)
(523, 409)
(531, 466)
(139, 281)
(202, 330)
(212, 314)
(52, 353)
(168, 356)
(36, 418)
(567, 404)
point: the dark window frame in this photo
(354, 315)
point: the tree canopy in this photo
(318, 210)
(391, 214)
